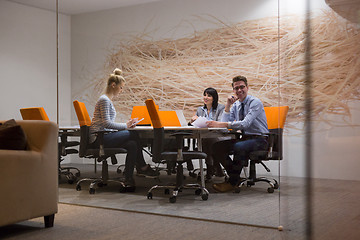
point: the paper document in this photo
(200, 122)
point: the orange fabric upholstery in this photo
(82, 113)
(169, 119)
(161, 118)
(34, 113)
(142, 112)
(154, 113)
(276, 116)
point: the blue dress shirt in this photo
(254, 123)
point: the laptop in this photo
(181, 117)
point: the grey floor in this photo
(253, 213)
(226, 207)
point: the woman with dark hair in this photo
(212, 110)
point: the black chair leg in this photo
(49, 220)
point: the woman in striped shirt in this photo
(104, 119)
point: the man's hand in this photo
(230, 101)
(215, 124)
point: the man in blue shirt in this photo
(246, 113)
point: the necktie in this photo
(242, 114)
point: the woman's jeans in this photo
(130, 141)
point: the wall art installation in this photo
(174, 72)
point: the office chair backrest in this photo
(84, 140)
(34, 113)
(82, 113)
(154, 113)
(158, 145)
(142, 112)
(276, 117)
(169, 118)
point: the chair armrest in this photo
(100, 136)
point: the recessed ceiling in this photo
(71, 7)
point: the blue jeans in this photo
(130, 141)
(241, 150)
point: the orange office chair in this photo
(178, 157)
(65, 146)
(141, 112)
(100, 154)
(34, 113)
(276, 117)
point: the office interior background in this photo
(88, 44)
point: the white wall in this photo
(28, 61)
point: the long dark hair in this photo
(212, 92)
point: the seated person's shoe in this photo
(219, 172)
(148, 172)
(223, 187)
(129, 185)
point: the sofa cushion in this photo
(12, 136)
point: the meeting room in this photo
(171, 119)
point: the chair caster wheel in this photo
(192, 174)
(276, 186)
(149, 195)
(237, 190)
(92, 190)
(70, 178)
(78, 188)
(198, 192)
(130, 189)
(118, 171)
(122, 189)
(270, 190)
(204, 197)
(172, 199)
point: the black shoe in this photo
(148, 172)
(129, 185)
(218, 171)
(209, 172)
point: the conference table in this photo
(146, 134)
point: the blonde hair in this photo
(116, 78)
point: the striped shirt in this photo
(104, 117)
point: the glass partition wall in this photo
(172, 50)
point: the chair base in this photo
(252, 179)
(199, 190)
(102, 181)
(273, 184)
(179, 186)
(70, 176)
(99, 182)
